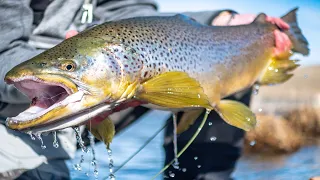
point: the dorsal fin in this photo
(261, 19)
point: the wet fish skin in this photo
(111, 61)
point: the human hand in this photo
(71, 33)
(282, 41)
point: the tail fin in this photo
(299, 42)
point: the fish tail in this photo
(279, 68)
(299, 42)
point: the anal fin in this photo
(236, 114)
(174, 90)
(278, 71)
(103, 131)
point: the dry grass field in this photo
(288, 114)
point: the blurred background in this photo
(284, 144)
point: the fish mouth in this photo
(75, 119)
(48, 93)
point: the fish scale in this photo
(162, 44)
(172, 63)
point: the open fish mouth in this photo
(48, 93)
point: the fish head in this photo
(71, 78)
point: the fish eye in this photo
(68, 66)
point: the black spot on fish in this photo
(145, 74)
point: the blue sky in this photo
(308, 15)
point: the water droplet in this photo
(31, 135)
(87, 174)
(252, 143)
(96, 173)
(175, 146)
(171, 174)
(110, 162)
(199, 166)
(256, 88)
(248, 119)
(82, 159)
(175, 165)
(109, 152)
(112, 177)
(306, 76)
(39, 137)
(195, 158)
(276, 70)
(213, 138)
(79, 139)
(93, 161)
(210, 123)
(55, 142)
(184, 169)
(260, 110)
(77, 167)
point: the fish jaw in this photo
(31, 117)
(85, 93)
(81, 117)
(50, 94)
(75, 107)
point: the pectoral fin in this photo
(277, 71)
(236, 114)
(173, 90)
(187, 119)
(103, 131)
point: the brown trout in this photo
(170, 63)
